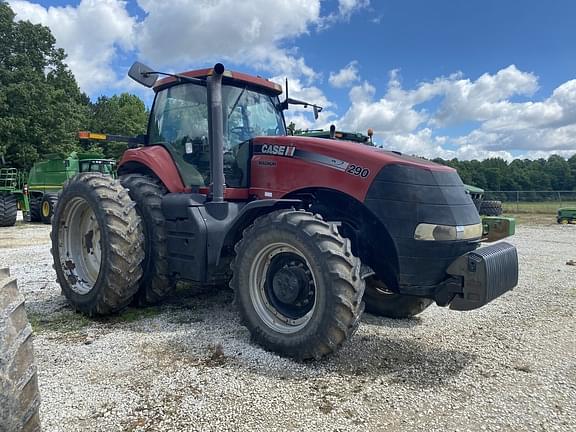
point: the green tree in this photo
(41, 106)
(123, 114)
(558, 170)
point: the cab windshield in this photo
(104, 167)
(180, 123)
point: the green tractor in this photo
(13, 196)
(47, 177)
(566, 216)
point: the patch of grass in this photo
(535, 207)
(534, 219)
(73, 322)
(134, 314)
(67, 322)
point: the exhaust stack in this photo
(216, 133)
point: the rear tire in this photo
(19, 397)
(35, 204)
(97, 244)
(147, 193)
(49, 202)
(8, 210)
(297, 284)
(491, 208)
(381, 302)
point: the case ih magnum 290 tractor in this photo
(306, 230)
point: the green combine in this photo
(36, 194)
(47, 177)
(13, 196)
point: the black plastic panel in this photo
(402, 197)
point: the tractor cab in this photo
(179, 121)
(89, 162)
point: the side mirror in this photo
(142, 74)
(317, 109)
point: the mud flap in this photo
(487, 273)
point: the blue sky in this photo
(449, 78)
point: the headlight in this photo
(436, 232)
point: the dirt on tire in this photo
(339, 287)
(147, 193)
(19, 397)
(121, 245)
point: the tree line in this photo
(41, 106)
(555, 173)
(42, 109)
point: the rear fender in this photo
(154, 159)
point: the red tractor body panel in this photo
(281, 165)
(239, 77)
(158, 160)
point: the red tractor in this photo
(305, 230)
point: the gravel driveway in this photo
(189, 364)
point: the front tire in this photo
(19, 397)
(97, 244)
(8, 210)
(147, 193)
(297, 284)
(382, 302)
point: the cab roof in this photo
(229, 77)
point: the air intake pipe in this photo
(216, 133)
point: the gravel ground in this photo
(189, 364)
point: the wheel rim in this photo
(45, 209)
(80, 246)
(564, 221)
(283, 288)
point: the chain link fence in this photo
(535, 202)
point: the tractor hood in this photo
(284, 165)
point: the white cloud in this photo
(188, 33)
(483, 99)
(388, 114)
(304, 117)
(260, 34)
(345, 76)
(248, 32)
(91, 34)
(347, 7)
(506, 126)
